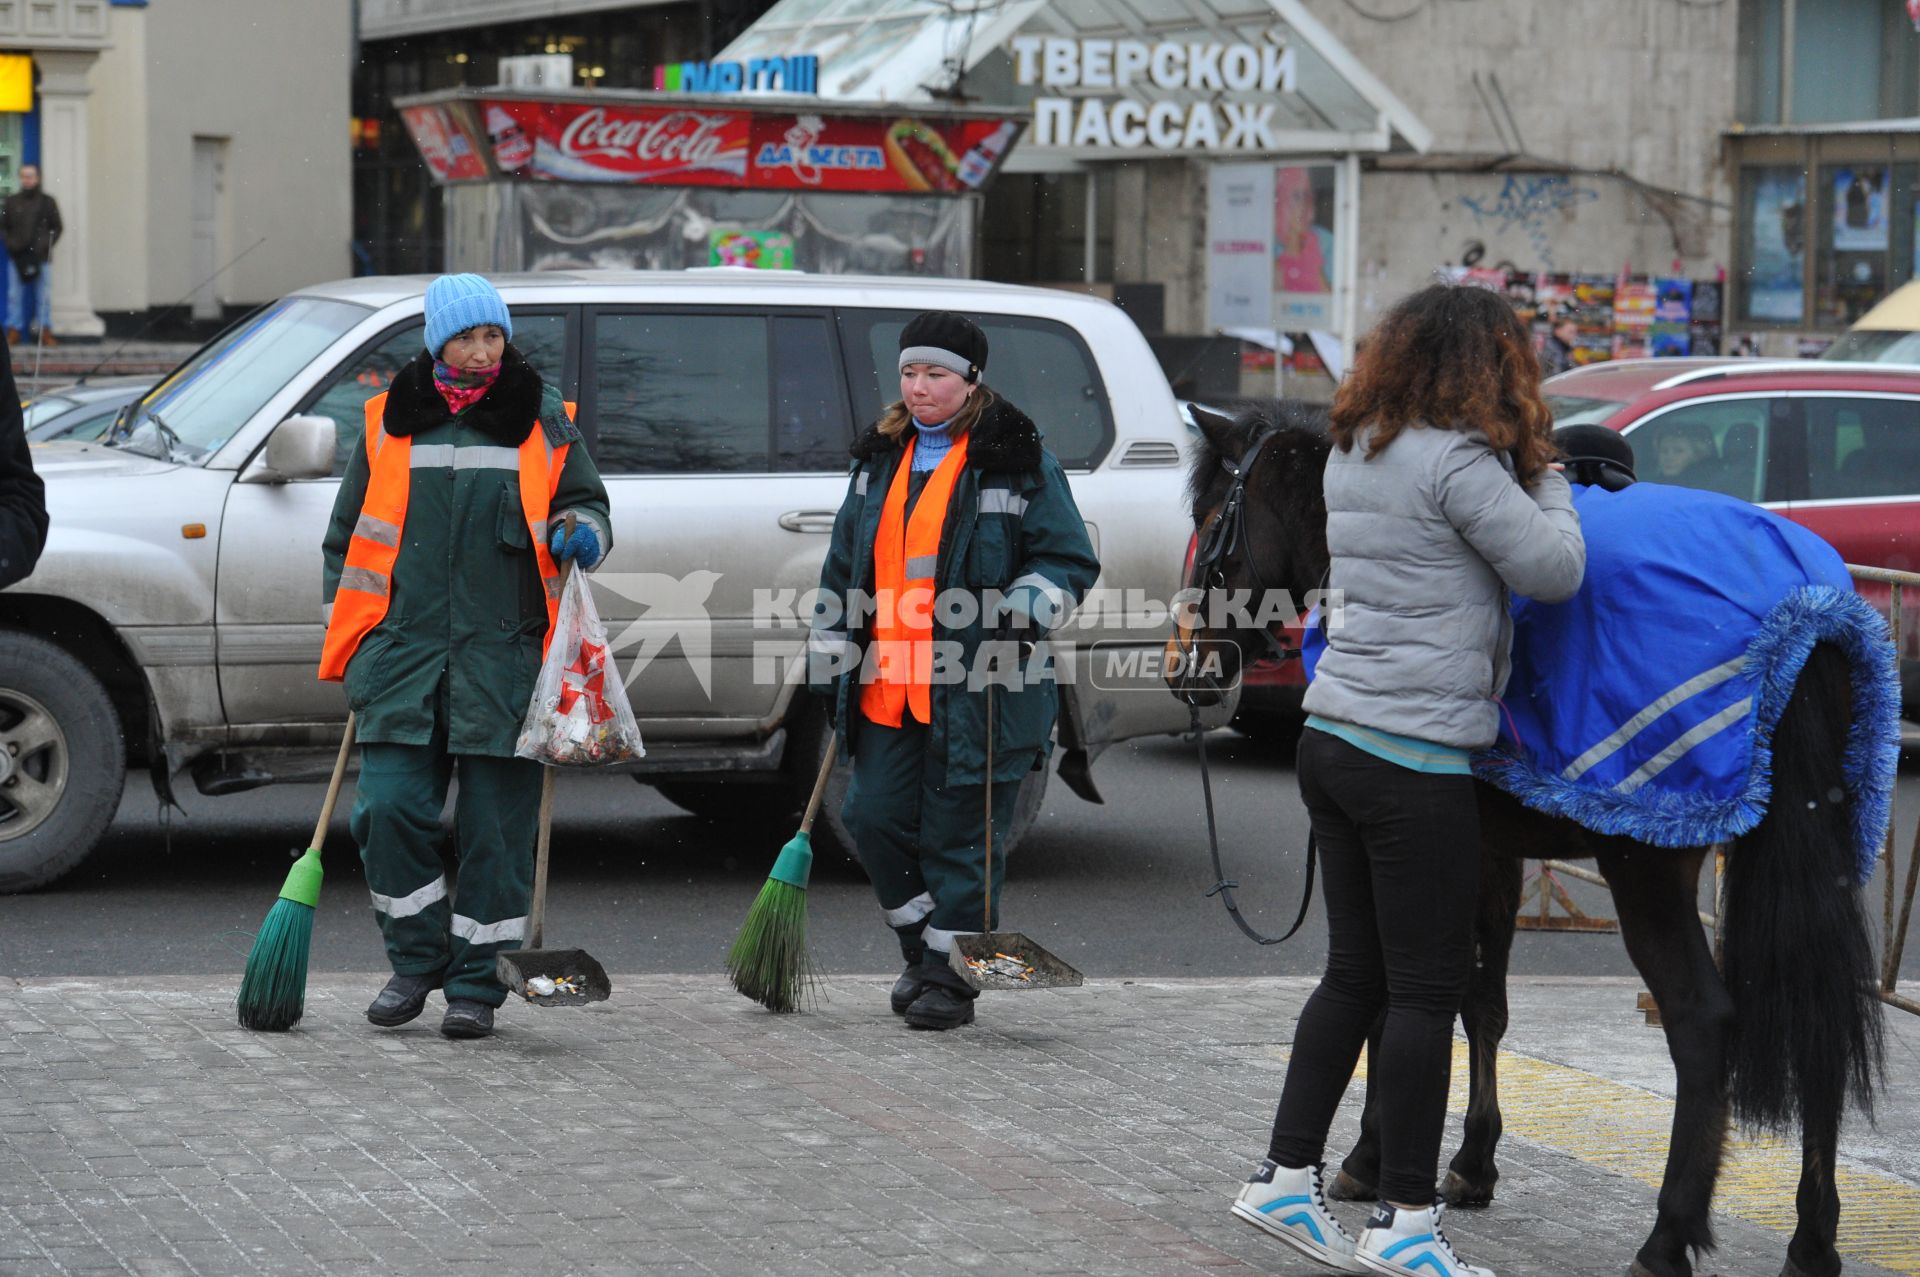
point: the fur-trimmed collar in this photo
(506, 413)
(1004, 439)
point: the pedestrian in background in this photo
(30, 225)
(23, 502)
(443, 585)
(953, 498)
(1441, 497)
(1556, 353)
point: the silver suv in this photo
(174, 621)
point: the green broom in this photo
(769, 960)
(273, 992)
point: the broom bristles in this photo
(273, 992)
(769, 960)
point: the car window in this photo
(88, 424)
(1576, 410)
(541, 338)
(45, 409)
(1862, 447)
(713, 393)
(1041, 365)
(1719, 445)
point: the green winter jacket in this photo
(467, 616)
(1011, 527)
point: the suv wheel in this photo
(62, 762)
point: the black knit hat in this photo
(1596, 456)
(943, 338)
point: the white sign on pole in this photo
(1240, 246)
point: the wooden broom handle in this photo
(987, 885)
(537, 915)
(820, 785)
(333, 786)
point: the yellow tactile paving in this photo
(1624, 1130)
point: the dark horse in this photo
(1785, 1035)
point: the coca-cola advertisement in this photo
(574, 142)
(444, 144)
(697, 144)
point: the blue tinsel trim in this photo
(1809, 615)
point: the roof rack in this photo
(1747, 366)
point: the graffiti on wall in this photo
(1526, 203)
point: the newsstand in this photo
(566, 179)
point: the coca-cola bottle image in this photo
(979, 161)
(512, 148)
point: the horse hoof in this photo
(1461, 1195)
(1345, 1188)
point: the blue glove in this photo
(583, 547)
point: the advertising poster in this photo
(1303, 247)
(1633, 307)
(1860, 209)
(1671, 334)
(1239, 246)
(758, 250)
(717, 146)
(1776, 227)
(1592, 309)
(449, 153)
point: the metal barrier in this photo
(1897, 898)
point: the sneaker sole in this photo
(1390, 1269)
(1292, 1237)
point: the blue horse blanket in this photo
(1645, 705)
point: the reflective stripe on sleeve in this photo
(488, 932)
(365, 581)
(860, 484)
(378, 531)
(408, 905)
(909, 913)
(942, 941)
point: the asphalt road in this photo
(1118, 889)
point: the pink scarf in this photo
(460, 387)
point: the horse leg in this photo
(1359, 1173)
(1654, 893)
(1811, 1252)
(1471, 1175)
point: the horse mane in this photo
(1286, 482)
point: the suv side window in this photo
(1719, 445)
(1862, 447)
(541, 338)
(715, 392)
(1041, 365)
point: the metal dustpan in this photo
(550, 977)
(992, 960)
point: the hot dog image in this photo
(921, 158)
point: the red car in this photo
(1833, 446)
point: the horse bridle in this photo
(1221, 533)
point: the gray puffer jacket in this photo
(1426, 540)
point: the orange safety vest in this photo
(906, 555)
(366, 582)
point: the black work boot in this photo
(404, 998)
(906, 989)
(947, 1000)
(466, 1018)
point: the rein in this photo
(1223, 532)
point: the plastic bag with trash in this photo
(579, 716)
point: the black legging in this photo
(1400, 857)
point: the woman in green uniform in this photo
(958, 548)
(442, 585)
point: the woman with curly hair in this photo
(1441, 497)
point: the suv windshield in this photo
(197, 408)
(1576, 410)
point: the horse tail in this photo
(1799, 962)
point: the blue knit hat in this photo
(456, 303)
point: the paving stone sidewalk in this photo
(680, 1129)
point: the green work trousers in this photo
(921, 840)
(396, 821)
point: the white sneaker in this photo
(1287, 1202)
(1409, 1243)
